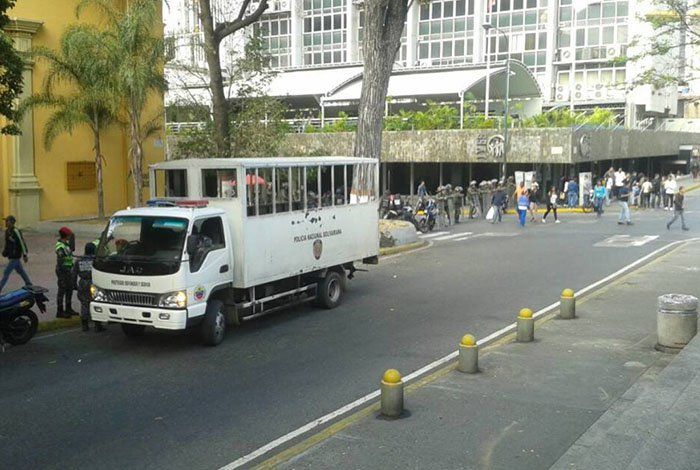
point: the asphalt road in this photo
(76, 400)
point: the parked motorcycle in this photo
(426, 215)
(18, 323)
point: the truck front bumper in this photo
(162, 318)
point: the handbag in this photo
(490, 214)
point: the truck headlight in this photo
(97, 294)
(173, 300)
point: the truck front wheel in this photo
(213, 326)
(330, 290)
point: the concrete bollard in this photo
(567, 305)
(676, 321)
(391, 394)
(468, 355)
(525, 326)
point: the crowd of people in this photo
(490, 199)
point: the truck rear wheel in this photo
(330, 290)
(213, 327)
(133, 330)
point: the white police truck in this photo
(226, 240)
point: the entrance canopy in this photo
(445, 84)
(340, 87)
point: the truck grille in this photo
(132, 298)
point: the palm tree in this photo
(82, 65)
(137, 55)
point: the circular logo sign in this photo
(584, 146)
(496, 147)
(317, 248)
(199, 293)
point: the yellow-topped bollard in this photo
(567, 305)
(392, 376)
(391, 398)
(525, 313)
(525, 331)
(468, 361)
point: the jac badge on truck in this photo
(318, 248)
(199, 293)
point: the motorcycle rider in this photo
(82, 280)
(64, 265)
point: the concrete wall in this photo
(448, 146)
(629, 143)
(527, 145)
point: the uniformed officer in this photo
(474, 202)
(64, 265)
(82, 280)
(459, 202)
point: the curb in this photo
(392, 250)
(564, 210)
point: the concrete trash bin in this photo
(676, 321)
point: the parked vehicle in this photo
(18, 323)
(227, 240)
(426, 215)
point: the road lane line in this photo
(431, 235)
(435, 364)
(447, 237)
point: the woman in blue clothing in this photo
(523, 206)
(599, 196)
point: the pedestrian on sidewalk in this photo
(619, 181)
(82, 280)
(552, 201)
(656, 192)
(600, 194)
(646, 193)
(498, 201)
(64, 265)
(678, 201)
(15, 251)
(623, 195)
(422, 191)
(609, 188)
(523, 205)
(534, 194)
(671, 190)
(572, 193)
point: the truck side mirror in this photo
(192, 242)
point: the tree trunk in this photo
(136, 158)
(384, 20)
(98, 172)
(220, 108)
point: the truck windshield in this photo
(141, 246)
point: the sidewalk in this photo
(42, 265)
(588, 393)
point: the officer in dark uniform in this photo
(82, 280)
(64, 266)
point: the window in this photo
(297, 188)
(327, 177)
(209, 236)
(251, 184)
(312, 187)
(220, 184)
(171, 183)
(264, 191)
(325, 32)
(363, 183)
(282, 190)
(339, 181)
(274, 30)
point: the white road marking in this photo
(448, 237)
(487, 234)
(625, 241)
(433, 365)
(431, 235)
